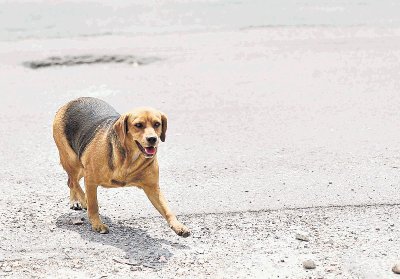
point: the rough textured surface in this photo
(259, 119)
(347, 243)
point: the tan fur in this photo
(133, 169)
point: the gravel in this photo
(225, 245)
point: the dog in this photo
(111, 150)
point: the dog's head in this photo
(143, 129)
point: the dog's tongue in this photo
(150, 150)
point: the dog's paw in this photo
(83, 205)
(100, 228)
(75, 205)
(181, 230)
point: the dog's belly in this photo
(116, 183)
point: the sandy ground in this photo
(352, 242)
(259, 120)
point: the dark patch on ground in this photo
(89, 59)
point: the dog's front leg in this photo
(160, 203)
(93, 208)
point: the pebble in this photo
(329, 269)
(136, 268)
(396, 268)
(309, 264)
(149, 265)
(303, 236)
(7, 269)
(162, 259)
(77, 221)
(200, 251)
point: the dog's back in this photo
(82, 118)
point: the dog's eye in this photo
(139, 125)
(157, 124)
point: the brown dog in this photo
(111, 150)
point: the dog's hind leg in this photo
(76, 196)
(69, 161)
(74, 169)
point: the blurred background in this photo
(58, 19)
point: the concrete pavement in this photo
(259, 119)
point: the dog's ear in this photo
(121, 128)
(164, 126)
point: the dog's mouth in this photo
(148, 151)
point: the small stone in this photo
(115, 270)
(149, 265)
(309, 264)
(77, 263)
(396, 268)
(136, 268)
(162, 259)
(330, 242)
(7, 269)
(200, 251)
(77, 221)
(303, 236)
(126, 261)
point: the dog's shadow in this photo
(139, 247)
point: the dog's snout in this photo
(151, 140)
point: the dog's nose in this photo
(152, 140)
